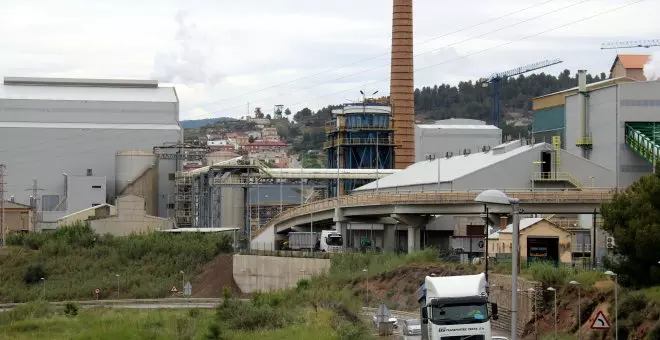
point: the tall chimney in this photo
(402, 87)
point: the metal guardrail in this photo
(557, 176)
(591, 195)
(411, 315)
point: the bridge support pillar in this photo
(414, 222)
(413, 239)
(389, 237)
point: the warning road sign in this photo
(600, 321)
(173, 290)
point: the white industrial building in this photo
(65, 133)
(509, 166)
(454, 137)
(618, 127)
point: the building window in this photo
(170, 205)
(96, 187)
(171, 176)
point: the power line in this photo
(95, 148)
(374, 57)
(489, 48)
(430, 51)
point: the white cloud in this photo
(224, 54)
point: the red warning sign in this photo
(600, 322)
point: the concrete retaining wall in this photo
(268, 273)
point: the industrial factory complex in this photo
(111, 153)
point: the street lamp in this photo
(366, 272)
(555, 308)
(117, 276)
(44, 281)
(616, 303)
(536, 320)
(492, 196)
(575, 283)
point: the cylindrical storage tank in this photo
(219, 156)
(129, 165)
(233, 207)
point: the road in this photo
(175, 303)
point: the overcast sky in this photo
(223, 54)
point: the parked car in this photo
(411, 327)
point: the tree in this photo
(287, 112)
(269, 117)
(633, 219)
(251, 139)
(301, 115)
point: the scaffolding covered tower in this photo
(359, 136)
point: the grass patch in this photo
(74, 261)
(350, 266)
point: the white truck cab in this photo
(331, 241)
(455, 307)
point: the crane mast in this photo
(630, 44)
(496, 78)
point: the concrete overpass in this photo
(413, 208)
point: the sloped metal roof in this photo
(426, 172)
(91, 92)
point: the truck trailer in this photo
(455, 307)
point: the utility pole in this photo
(2, 203)
(33, 203)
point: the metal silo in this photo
(129, 165)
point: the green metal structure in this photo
(644, 139)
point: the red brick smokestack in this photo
(402, 87)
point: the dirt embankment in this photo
(214, 277)
(397, 288)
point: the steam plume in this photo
(652, 68)
(189, 63)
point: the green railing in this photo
(644, 140)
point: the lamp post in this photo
(555, 308)
(536, 320)
(616, 303)
(486, 242)
(366, 272)
(492, 196)
(117, 276)
(44, 281)
(575, 283)
(183, 278)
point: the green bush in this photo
(654, 332)
(252, 316)
(630, 303)
(28, 311)
(70, 309)
(33, 274)
(76, 261)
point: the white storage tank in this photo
(219, 156)
(129, 165)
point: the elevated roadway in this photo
(411, 204)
